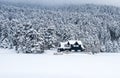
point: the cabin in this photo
(71, 45)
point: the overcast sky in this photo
(59, 2)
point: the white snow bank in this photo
(7, 51)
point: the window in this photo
(76, 45)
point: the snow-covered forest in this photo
(32, 28)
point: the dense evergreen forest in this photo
(33, 28)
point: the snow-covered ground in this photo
(7, 51)
(103, 65)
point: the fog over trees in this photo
(35, 28)
(64, 2)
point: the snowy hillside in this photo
(104, 65)
(31, 35)
(33, 29)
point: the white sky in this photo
(57, 2)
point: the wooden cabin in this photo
(71, 45)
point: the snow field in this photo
(104, 65)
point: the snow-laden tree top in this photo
(63, 2)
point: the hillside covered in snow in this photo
(28, 28)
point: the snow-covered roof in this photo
(74, 41)
(63, 44)
(71, 42)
